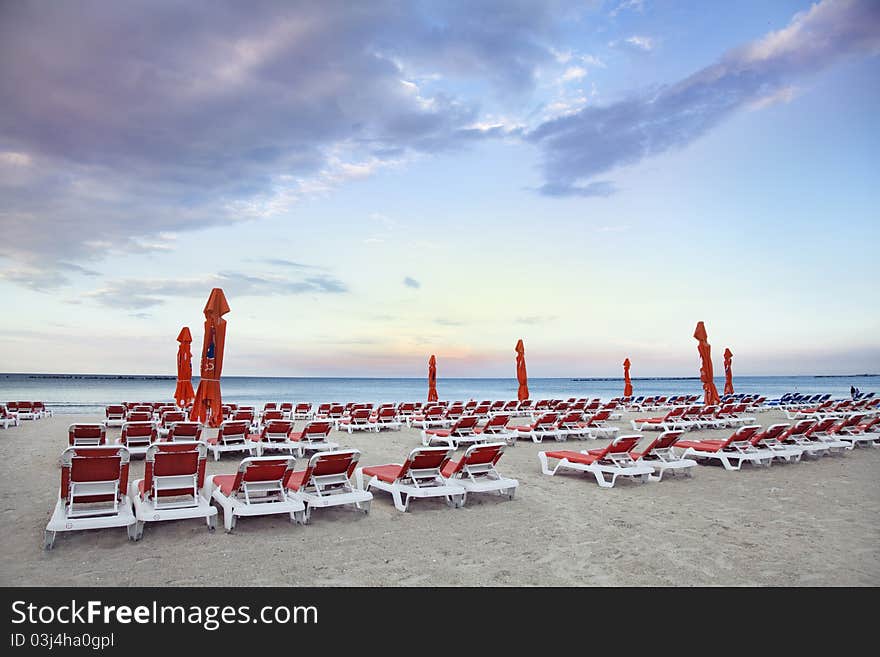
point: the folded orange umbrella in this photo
(432, 379)
(521, 376)
(707, 375)
(728, 372)
(207, 407)
(183, 394)
(627, 384)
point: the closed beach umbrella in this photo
(207, 407)
(706, 373)
(183, 394)
(627, 384)
(728, 373)
(432, 379)
(521, 376)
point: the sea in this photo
(86, 393)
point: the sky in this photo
(373, 183)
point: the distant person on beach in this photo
(852, 392)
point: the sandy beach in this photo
(805, 524)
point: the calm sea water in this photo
(87, 394)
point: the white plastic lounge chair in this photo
(84, 434)
(303, 411)
(419, 476)
(463, 431)
(660, 455)
(857, 432)
(93, 494)
(138, 436)
(543, 427)
(313, 437)
(359, 420)
(233, 436)
(599, 427)
(769, 440)
(825, 432)
(430, 417)
(476, 471)
(496, 429)
(672, 421)
(326, 482)
(114, 415)
(796, 436)
(8, 418)
(185, 431)
(612, 461)
(386, 418)
(275, 436)
(258, 488)
(172, 487)
(731, 453)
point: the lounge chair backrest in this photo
(235, 430)
(172, 460)
(139, 416)
(263, 469)
(546, 420)
(465, 423)
(496, 422)
(773, 432)
(303, 408)
(94, 464)
(186, 431)
(86, 434)
(270, 406)
(138, 433)
(272, 414)
(286, 407)
(317, 430)
(800, 427)
(277, 429)
(387, 413)
(662, 442)
(742, 435)
(822, 426)
(116, 411)
(170, 417)
(601, 416)
(852, 421)
(361, 414)
(337, 462)
(243, 416)
(426, 458)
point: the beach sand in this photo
(811, 523)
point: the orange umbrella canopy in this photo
(728, 372)
(521, 376)
(707, 375)
(184, 394)
(207, 407)
(627, 383)
(432, 379)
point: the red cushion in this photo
(213, 441)
(442, 433)
(296, 480)
(574, 457)
(225, 483)
(450, 468)
(700, 446)
(389, 473)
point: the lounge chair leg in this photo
(212, 522)
(136, 531)
(48, 540)
(364, 506)
(228, 520)
(600, 479)
(401, 502)
(299, 517)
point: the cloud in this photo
(145, 293)
(535, 319)
(597, 139)
(122, 123)
(411, 282)
(640, 42)
(628, 5)
(448, 322)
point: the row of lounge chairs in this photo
(747, 444)
(95, 492)
(685, 418)
(12, 413)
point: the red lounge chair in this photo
(271, 414)
(83, 435)
(386, 418)
(419, 476)
(186, 431)
(599, 427)
(795, 436)
(855, 431)
(358, 420)
(138, 436)
(286, 409)
(731, 453)
(258, 488)
(174, 476)
(770, 440)
(613, 460)
(8, 418)
(313, 437)
(25, 410)
(672, 421)
(326, 482)
(496, 429)
(275, 436)
(660, 455)
(167, 419)
(572, 424)
(543, 427)
(93, 494)
(823, 433)
(114, 415)
(463, 431)
(430, 417)
(232, 436)
(303, 412)
(476, 473)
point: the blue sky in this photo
(374, 183)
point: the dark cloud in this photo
(595, 140)
(122, 121)
(145, 293)
(411, 282)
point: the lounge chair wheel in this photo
(48, 540)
